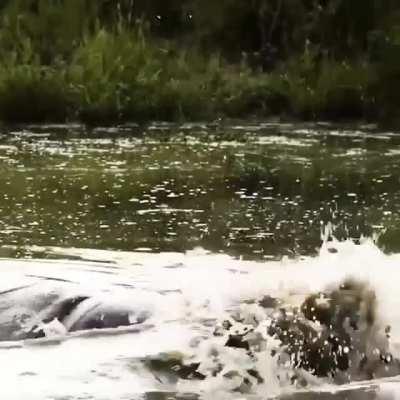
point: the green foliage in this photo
(386, 86)
(33, 93)
(327, 88)
(105, 61)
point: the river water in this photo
(131, 257)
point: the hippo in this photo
(37, 311)
(81, 312)
(336, 334)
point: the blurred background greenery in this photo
(104, 61)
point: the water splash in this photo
(195, 322)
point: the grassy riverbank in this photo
(119, 73)
(113, 77)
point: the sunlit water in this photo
(173, 230)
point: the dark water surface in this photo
(259, 191)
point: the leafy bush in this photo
(69, 60)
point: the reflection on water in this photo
(259, 191)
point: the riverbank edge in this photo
(218, 129)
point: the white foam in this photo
(180, 292)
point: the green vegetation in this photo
(102, 61)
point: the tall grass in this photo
(60, 65)
(327, 88)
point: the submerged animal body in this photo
(43, 310)
(86, 313)
(334, 334)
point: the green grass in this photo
(329, 89)
(88, 61)
(121, 75)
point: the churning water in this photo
(198, 262)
